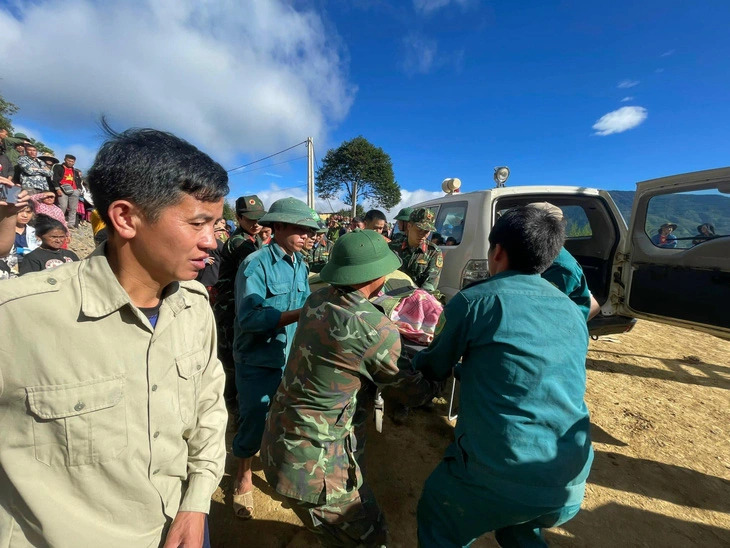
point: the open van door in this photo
(674, 266)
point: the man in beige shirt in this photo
(121, 444)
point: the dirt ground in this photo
(660, 408)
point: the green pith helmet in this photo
(320, 224)
(423, 218)
(357, 257)
(289, 210)
(404, 214)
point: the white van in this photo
(632, 272)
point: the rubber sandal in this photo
(243, 505)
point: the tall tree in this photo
(7, 109)
(229, 212)
(358, 169)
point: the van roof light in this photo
(451, 185)
(501, 174)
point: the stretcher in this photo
(408, 351)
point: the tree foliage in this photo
(43, 149)
(357, 169)
(7, 109)
(229, 212)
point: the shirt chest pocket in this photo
(189, 368)
(80, 423)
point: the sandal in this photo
(243, 505)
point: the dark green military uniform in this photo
(313, 444)
(422, 263)
(319, 255)
(239, 246)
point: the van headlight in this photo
(474, 271)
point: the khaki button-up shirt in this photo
(108, 425)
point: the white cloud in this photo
(428, 6)
(420, 54)
(668, 53)
(624, 84)
(620, 120)
(269, 174)
(659, 70)
(626, 99)
(227, 76)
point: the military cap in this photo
(21, 136)
(404, 214)
(250, 207)
(358, 257)
(291, 211)
(423, 218)
(320, 223)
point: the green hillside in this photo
(686, 210)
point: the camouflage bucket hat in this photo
(291, 211)
(404, 214)
(423, 218)
(250, 207)
(358, 257)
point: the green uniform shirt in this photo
(567, 275)
(343, 347)
(268, 283)
(102, 448)
(523, 427)
(422, 263)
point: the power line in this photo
(269, 165)
(266, 157)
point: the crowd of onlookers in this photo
(55, 199)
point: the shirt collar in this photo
(279, 254)
(102, 294)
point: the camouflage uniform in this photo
(333, 233)
(422, 263)
(319, 256)
(239, 246)
(313, 444)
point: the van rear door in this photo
(674, 266)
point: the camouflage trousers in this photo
(353, 521)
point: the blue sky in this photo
(449, 88)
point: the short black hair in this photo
(44, 224)
(69, 156)
(357, 220)
(531, 237)
(153, 169)
(375, 215)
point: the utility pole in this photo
(310, 172)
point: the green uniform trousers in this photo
(354, 521)
(454, 512)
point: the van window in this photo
(450, 223)
(686, 219)
(577, 224)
